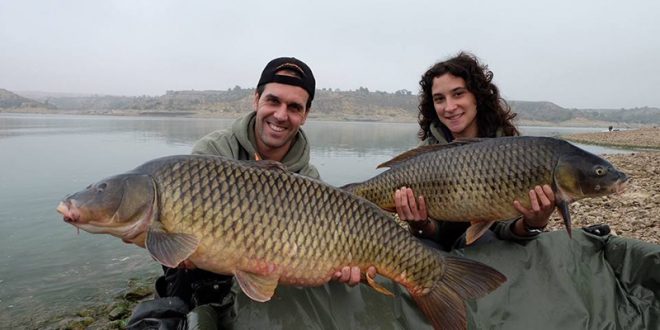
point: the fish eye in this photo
(101, 187)
(600, 171)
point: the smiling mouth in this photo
(276, 128)
(454, 116)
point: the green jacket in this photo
(238, 142)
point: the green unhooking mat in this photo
(554, 282)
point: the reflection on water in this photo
(47, 268)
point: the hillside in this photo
(9, 100)
(360, 104)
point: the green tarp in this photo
(554, 282)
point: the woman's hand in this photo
(408, 208)
(542, 200)
(414, 212)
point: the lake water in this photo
(47, 268)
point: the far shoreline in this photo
(647, 138)
(577, 122)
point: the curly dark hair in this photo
(492, 110)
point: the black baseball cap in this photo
(305, 80)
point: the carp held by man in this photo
(267, 226)
(477, 180)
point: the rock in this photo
(138, 293)
(75, 323)
(118, 311)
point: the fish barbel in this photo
(267, 226)
(477, 180)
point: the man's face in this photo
(280, 113)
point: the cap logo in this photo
(289, 66)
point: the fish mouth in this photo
(622, 183)
(69, 214)
(621, 186)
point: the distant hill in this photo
(542, 111)
(9, 100)
(360, 104)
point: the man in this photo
(282, 102)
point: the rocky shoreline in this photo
(634, 214)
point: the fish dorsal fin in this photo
(170, 249)
(476, 230)
(410, 154)
(258, 287)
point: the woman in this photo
(459, 100)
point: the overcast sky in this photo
(577, 54)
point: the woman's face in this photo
(455, 105)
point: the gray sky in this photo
(577, 54)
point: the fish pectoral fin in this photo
(170, 249)
(476, 230)
(566, 215)
(258, 287)
(372, 282)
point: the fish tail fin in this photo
(463, 279)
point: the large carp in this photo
(477, 180)
(267, 227)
